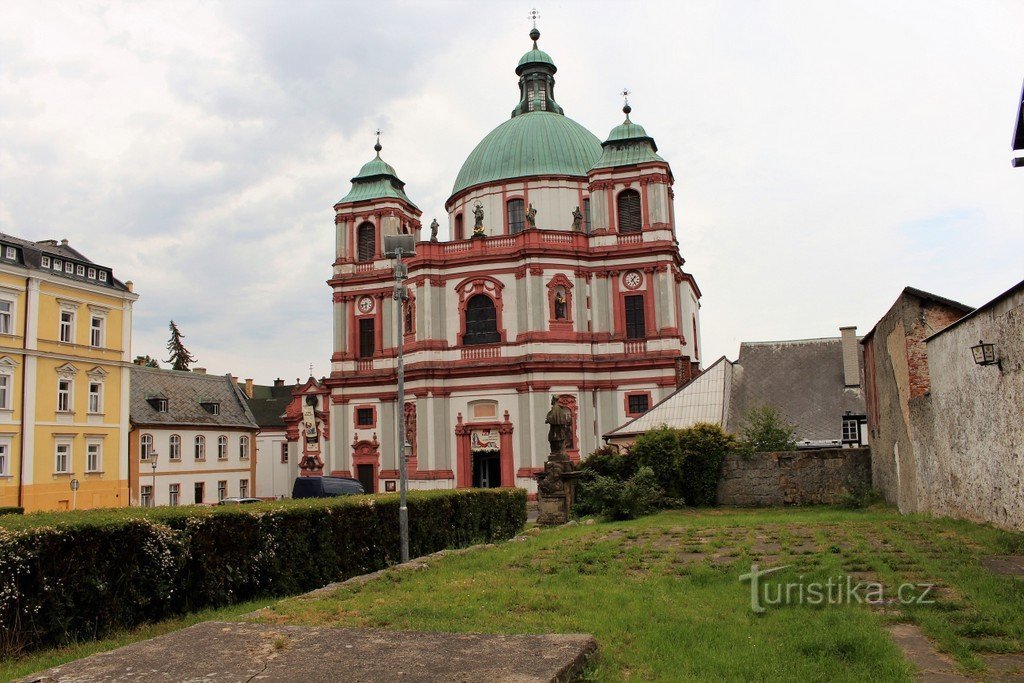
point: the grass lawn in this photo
(663, 598)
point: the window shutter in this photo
(629, 211)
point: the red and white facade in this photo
(566, 305)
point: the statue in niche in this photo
(561, 310)
(577, 219)
(478, 220)
(531, 217)
(433, 230)
(560, 431)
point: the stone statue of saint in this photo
(433, 230)
(478, 220)
(531, 217)
(560, 309)
(560, 431)
(577, 219)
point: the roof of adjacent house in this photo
(185, 393)
(923, 296)
(30, 255)
(268, 404)
(984, 307)
(702, 399)
(802, 379)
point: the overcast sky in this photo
(826, 154)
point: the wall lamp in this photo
(985, 354)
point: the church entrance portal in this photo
(365, 475)
(486, 469)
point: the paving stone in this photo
(932, 665)
(236, 652)
(1010, 565)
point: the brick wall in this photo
(793, 477)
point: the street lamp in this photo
(395, 247)
(152, 463)
(985, 354)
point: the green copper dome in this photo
(628, 144)
(530, 144)
(376, 180)
(536, 56)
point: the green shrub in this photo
(613, 498)
(74, 576)
(703, 447)
(607, 461)
(859, 495)
(12, 510)
(764, 430)
(686, 462)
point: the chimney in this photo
(130, 285)
(851, 356)
(64, 242)
(199, 371)
(278, 382)
(248, 387)
(234, 380)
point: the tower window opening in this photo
(629, 211)
(367, 242)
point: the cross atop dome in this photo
(625, 102)
(534, 33)
(377, 147)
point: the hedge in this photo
(12, 510)
(66, 577)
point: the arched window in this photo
(200, 448)
(175, 442)
(222, 447)
(243, 447)
(367, 242)
(458, 227)
(629, 211)
(516, 217)
(146, 449)
(481, 321)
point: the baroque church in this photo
(562, 278)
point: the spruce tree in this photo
(180, 357)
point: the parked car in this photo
(239, 501)
(325, 487)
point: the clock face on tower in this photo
(366, 304)
(632, 279)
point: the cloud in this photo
(825, 154)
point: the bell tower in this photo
(375, 206)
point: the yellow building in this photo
(65, 345)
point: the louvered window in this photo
(367, 240)
(629, 211)
(586, 216)
(635, 328)
(515, 215)
(481, 321)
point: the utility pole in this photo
(395, 247)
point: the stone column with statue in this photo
(557, 483)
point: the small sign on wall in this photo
(390, 486)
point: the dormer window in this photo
(159, 403)
(11, 253)
(45, 262)
(212, 407)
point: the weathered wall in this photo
(897, 361)
(968, 433)
(794, 477)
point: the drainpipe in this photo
(24, 392)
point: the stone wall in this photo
(793, 477)
(968, 431)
